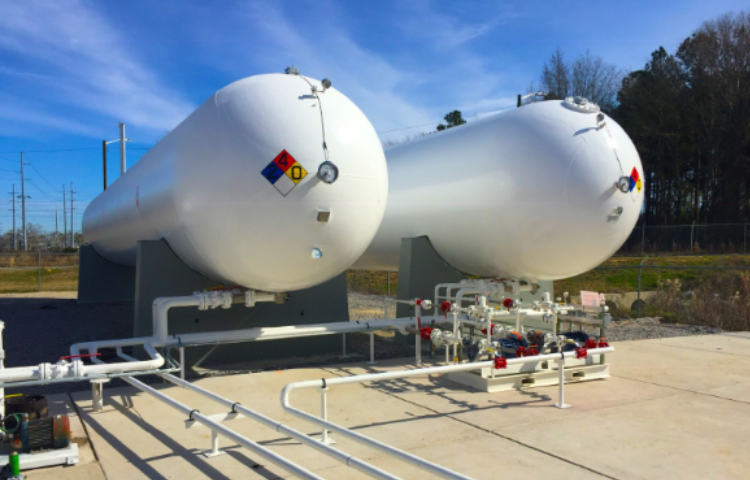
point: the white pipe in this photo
(195, 415)
(374, 377)
(465, 291)
(160, 309)
(336, 454)
(154, 363)
(418, 335)
(291, 331)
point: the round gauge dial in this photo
(328, 172)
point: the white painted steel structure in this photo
(201, 188)
(434, 469)
(530, 193)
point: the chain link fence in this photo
(38, 271)
(690, 238)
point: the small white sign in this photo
(590, 299)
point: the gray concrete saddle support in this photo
(160, 273)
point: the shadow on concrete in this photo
(126, 409)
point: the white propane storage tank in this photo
(277, 183)
(542, 192)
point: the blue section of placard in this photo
(272, 172)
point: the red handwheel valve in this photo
(521, 352)
(445, 307)
(501, 362)
(425, 333)
(531, 352)
(508, 303)
(603, 343)
(582, 353)
(590, 343)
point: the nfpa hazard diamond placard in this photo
(284, 172)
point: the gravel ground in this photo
(42, 330)
(645, 328)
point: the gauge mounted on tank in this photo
(328, 172)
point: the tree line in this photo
(688, 114)
(38, 239)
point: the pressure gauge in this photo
(328, 172)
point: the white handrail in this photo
(326, 449)
(194, 415)
(433, 468)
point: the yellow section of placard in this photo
(296, 173)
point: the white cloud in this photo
(365, 77)
(85, 64)
(400, 97)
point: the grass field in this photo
(616, 281)
(54, 279)
(59, 278)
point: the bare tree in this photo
(596, 80)
(555, 79)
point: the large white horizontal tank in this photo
(212, 191)
(530, 193)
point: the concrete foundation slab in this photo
(665, 421)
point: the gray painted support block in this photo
(100, 280)
(160, 273)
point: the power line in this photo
(55, 151)
(42, 176)
(433, 122)
(40, 190)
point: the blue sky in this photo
(71, 70)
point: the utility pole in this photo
(65, 221)
(23, 206)
(123, 165)
(72, 230)
(104, 161)
(57, 242)
(15, 233)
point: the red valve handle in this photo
(425, 333)
(582, 353)
(508, 303)
(521, 352)
(501, 362)
(68, 357)
(590, 343)
(603, 343)
(492, 326)
(532, 352)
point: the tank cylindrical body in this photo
(234, 189)
(531, 193)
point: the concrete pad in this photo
(661, 363)
(675, 410)
(160, 437)
(739, 393)
(687, 437)
(483, 456)
(730, 344)
(736, 334)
